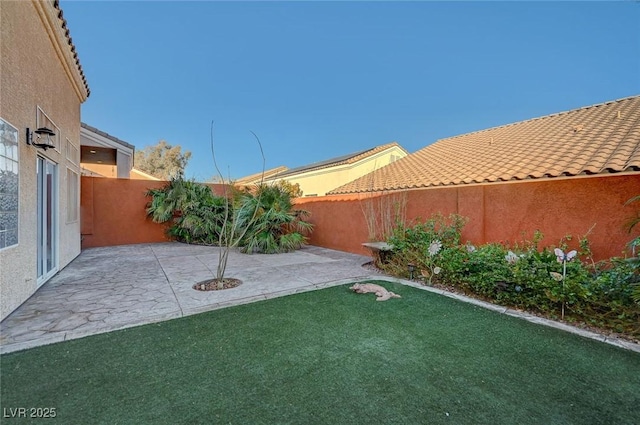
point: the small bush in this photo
(422, 245)
(523, 275)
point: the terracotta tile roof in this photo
(255, 178)
(341, 160)
(63, 24)
(602, 138)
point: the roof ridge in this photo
(271, 172)
(340, 160)
(555, 114)
(373, 150)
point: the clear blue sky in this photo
(315, 80)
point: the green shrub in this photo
(412, 243)
(524, 276)
(276, 226)
(421, 234)
(196, 215)
(194, 212)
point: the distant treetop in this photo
(162, 160)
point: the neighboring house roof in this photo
(98, 149)
(141, 175)
(107, 135)
(341, 160)
(255, 178)
(597, 139)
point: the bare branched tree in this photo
(383, 211)
(232, 233)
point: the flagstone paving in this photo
(116, 287)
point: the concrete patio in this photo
(111, 288)
(105, 289)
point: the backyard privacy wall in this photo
(113, 212)
(500, 212)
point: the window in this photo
(43, 120)
(8, 184)
(72, 195)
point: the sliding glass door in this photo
(47, 219)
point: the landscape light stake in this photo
(563, 258)
(412, 268)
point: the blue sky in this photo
(315, 80)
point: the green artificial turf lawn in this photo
(334, 357)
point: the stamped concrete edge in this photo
(5, 349)
(69, 335)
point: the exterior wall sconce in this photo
(42, 138)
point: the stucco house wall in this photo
(40, 70)
(320, 181)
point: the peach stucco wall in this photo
(507, 212)
(113, 212)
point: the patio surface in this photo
(111, 288)
(106, 289)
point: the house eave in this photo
(51, 16)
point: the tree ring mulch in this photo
(212, 284)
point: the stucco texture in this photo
(500, 212)
(113, 212)
(34, 74)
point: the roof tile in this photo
(601, 138)
(63, 24)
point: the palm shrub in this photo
(274, 226)
(194, 212)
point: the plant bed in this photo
(214, 284)
(560, 283)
